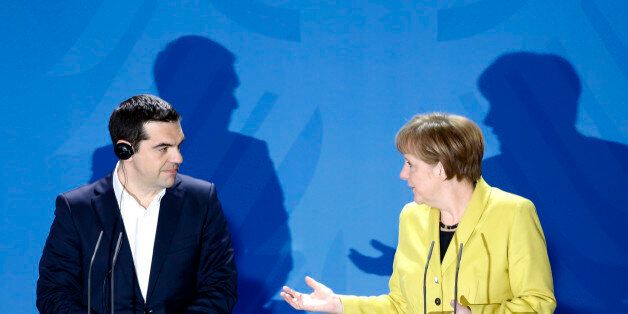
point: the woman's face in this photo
(424, 179)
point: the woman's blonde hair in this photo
(454, 141)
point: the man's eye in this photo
(163, 149)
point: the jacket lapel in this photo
(106, 207)
(433, 229)
(169, 214)
(468, 223)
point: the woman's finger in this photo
(312, 283)
(459, 307)
(286, 297)
(290, 299)
(289, 290)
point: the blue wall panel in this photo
(291, 107)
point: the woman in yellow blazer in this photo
(503, 265)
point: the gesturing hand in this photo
(460, 309)
(322, 299)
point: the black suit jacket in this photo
(192, 270)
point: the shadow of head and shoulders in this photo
(533, 111)
(198, 76)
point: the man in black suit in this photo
(175, 253)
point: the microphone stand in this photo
(427, 264)
(89, 274)
(113, 266)
(456, 282)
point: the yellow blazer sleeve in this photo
(394, 301)
(529, 269)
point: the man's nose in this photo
(177, 157)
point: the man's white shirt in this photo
(140, 225)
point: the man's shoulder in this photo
(82, 196)
(198, 191)
(88, 190)
(192, 184)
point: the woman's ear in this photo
(440, 171)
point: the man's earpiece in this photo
(123, 150)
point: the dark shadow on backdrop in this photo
(380, 265)
(197, 76)
(577, 182)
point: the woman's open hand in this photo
(322, 299)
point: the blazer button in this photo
(437, 301)
(148, 311)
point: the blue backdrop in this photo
(291, 107)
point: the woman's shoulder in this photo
(504, 210)
(413, 209)
(508, 201)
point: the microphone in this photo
(113, 266)
(89, 274)
(429, 256)
(456, 282)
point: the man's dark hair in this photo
(127, 121)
